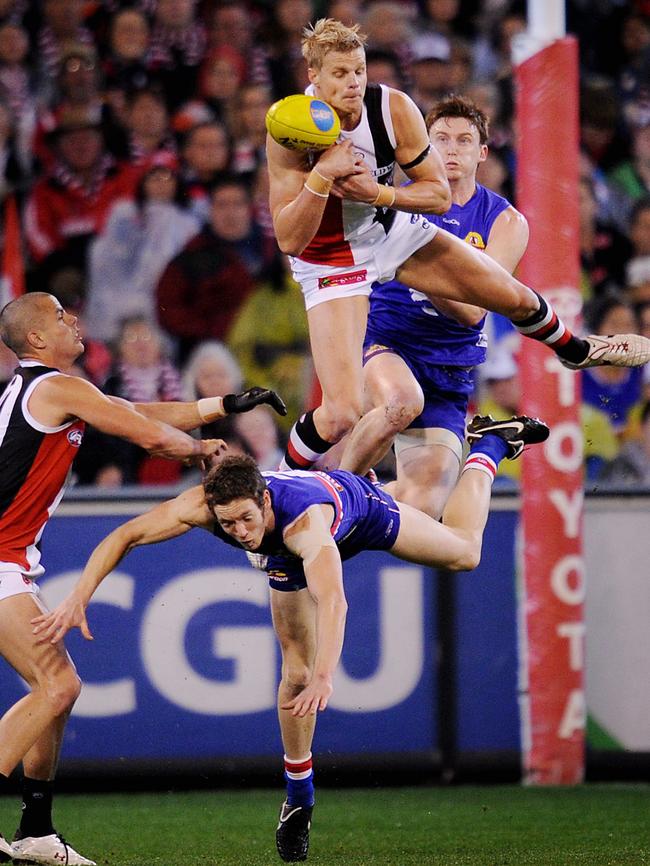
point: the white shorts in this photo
(378, 262)
(14, 582)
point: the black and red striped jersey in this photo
(35, 465)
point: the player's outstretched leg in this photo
(516, 432)
(292, 835)
(51, 850)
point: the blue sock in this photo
(299, 776)
(492, 446)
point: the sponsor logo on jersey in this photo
(278, 575)
(380, 172)
(451, 222)
(474, 239)
(322, 115)
(343, 279)
(75, 437)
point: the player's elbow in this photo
(469, 557)
(443, 200)
(290, 247)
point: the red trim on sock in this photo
(564, 339)
(545, 330)
(296, 456)
(297, 767)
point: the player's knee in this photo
(401, 410)
(62, 691)
(525, 302)
(340, 419)
(295, 677)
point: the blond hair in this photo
(327, 35)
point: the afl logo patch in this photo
(322, 115)
(75, 437)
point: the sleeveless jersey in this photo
(349, 229)
(365, 516)
(34, 468)
(406, 320)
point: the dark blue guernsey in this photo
(364, 517)
(405, 319)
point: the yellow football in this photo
(302, 122)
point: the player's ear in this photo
(483, 152)
(312, 74)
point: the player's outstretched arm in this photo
(66, 397)
(309, 537)
(168, 520)
(188, 416)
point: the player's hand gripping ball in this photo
(302, 122)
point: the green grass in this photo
(591, 825)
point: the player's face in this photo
(458, 143)
(342, 80)
(245, 521)
(60, 330)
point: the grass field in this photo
(592, 825)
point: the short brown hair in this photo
(327, 35)
(460, 106)
(236, 477)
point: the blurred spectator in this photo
(601, 134)
(638, 268)
(429, 70)
(604, 251)
(126, 65)
(350, 12)
(250, 130)
(633, 77)
(222, 74)
(203, 287)
(616, 391)
(141, 236)
(77, 89)
(261, 432)
(17, 84)
(270, 339)
(178, 43)
(15, 168)
(71, 202)
(234, 24)
(383, 67)
(62, 26)
(205, 157)
(211, 370)
(147, 124)
(141, 374)
(390, 28)
(630, 180)
(631, 468)
(283, 36)
(493, 53)
(232, 219)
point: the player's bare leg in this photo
(426, 476)
(447, 267)
(51, 677)
(396, 400)
(294, 621)
(336, 332)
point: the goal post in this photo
(551, 567)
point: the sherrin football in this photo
(302, 122)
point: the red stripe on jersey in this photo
(329, 246)
(27, 514)
(338, 504)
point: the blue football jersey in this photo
(406, 320)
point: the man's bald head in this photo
(22, 315)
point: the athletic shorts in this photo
(446, 390)
(14, 582)
(377, 529)
(378, 263)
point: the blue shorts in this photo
(446, 389)
(375, 527)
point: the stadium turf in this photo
(592, 825)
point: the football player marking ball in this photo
(302, 122)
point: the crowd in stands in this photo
(132, 142)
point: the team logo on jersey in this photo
(474, 239)
(375, 349)
(343, 279)
(75, 437)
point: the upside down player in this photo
(344, 227)
(300, 526)
(420, 357)
(42, 415)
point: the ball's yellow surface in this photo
(302, 122)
